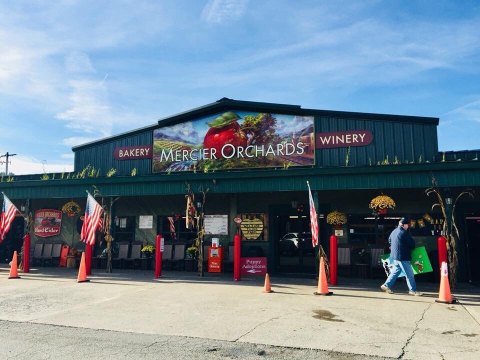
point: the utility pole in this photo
(7, 155)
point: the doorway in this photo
(295, 253)
(473, 247)
(13, 240)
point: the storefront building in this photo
(251, 161)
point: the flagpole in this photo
(317, 268)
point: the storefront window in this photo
(174, 229)
(124, 228)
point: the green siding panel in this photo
(101, 155)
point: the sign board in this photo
(252, 228)
(343, 139)
(235, 139)
(145, 222)
(253, 266)
(133, 152)
(216, 224)
(420, 262)
(47, 222)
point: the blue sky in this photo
(77, 71)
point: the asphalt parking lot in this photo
(357, 319)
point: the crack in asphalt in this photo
(414, 331)
(255, 327)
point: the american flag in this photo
(91, 222)
(313, 218)
(6, 217)
(172, 227)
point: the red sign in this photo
(133, 152)
(343, 139)
(48, 222)
(253, 266)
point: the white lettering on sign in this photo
(133, 152)
(344, 139)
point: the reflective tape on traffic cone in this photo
(444, 295)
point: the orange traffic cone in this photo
(444, 295)
(322, 281)
(82, 271)
(14, 267)
(267, 288)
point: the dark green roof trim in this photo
(454, 174)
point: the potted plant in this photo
(190, 258)
(148, 250)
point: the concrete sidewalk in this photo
(357, 319)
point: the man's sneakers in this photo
(415, 293)
(386, 289)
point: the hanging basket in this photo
(336, 218)
(381, 204)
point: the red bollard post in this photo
(158, 256)
(442, 250)
(333, 259)
(26, 253)
(88, 259)
(236, 257)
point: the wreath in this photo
(71, 208)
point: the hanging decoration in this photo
(71, 208)
(381, 204)
(336, 218)
(428, 218)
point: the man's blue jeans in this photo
(397, 268)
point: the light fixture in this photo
(448, 201)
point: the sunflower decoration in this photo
(336, 218)
(71, 208)
(381, 203)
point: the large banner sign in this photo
(48, 222)
(234, 140)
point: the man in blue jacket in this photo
(402, 244)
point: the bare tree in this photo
(450, 229)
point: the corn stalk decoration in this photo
(107, 224)
(450, 229)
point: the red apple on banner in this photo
(224, 130)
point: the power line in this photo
(7, 155)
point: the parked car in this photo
(289, 244)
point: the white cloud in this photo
(89, 110)
(78, 140)
(220, 11)
(78, 62)
(359, 54)
(22, 165)
(467, 112)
